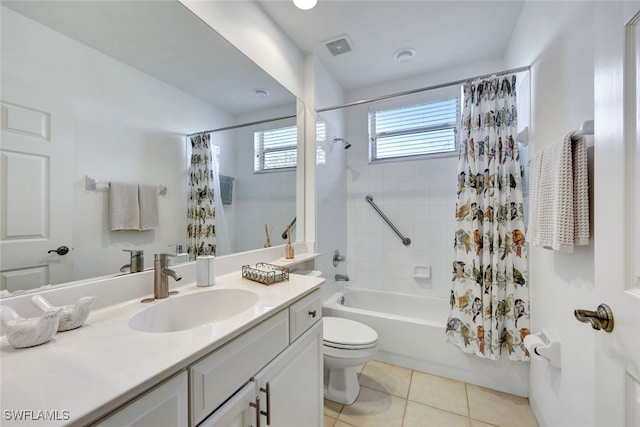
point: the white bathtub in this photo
(411, 334)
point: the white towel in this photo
(148, 197)
(124, 209)
(559, 195)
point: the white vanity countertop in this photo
(87, 372)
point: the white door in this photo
(36, 194)
(616, 212)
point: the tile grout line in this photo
(466, 395)
(406, 401)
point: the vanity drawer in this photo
(304, 313)
(218, 376)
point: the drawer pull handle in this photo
(257, 406)
(312, 313)
(267, 390)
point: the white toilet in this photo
(347, 344)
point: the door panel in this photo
(617, 222)
(26, 211)
(36, 195)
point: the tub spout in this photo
(342, 277)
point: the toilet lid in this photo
(345, 332)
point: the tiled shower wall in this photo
(419, 197)
(330, 198)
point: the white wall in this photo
(128, 127)
(418, 196)
(261, 198)
(331, 183)
(556, 38)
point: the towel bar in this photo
(93, 185)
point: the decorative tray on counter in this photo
(264, 273)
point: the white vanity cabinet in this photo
(290, 387)
(219, 375)
(164, 405)
(287, 391)
(236, 412)
(270, 375)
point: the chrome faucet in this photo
(342, 277)
(136, 262)
(161, 271)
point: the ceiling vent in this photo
(338, 45)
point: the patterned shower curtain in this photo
(490, 292)
(201, 231)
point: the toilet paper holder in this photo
(544, 345)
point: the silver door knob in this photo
(62, 250)
(602, 318)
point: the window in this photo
(414, 130)
(275, 149)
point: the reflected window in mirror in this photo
(275, 148)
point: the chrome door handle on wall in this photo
(602, 318)
(62, 250)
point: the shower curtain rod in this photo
(423, 89)
(258, 122)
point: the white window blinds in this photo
(275, 148)
(415, 130)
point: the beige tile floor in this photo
(391, 396)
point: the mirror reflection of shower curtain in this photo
(223, 245)
(201, 236)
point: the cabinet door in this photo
(236, 412)
(226, 370)
(165, 405)
(294, 384)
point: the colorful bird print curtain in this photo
(490, 292)
(201, 231)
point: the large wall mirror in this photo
(103, 91)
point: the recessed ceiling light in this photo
(404, 55)
(261, 93)
(305, 4)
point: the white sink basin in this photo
(182, 312)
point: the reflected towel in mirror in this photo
(124, 208)
(148, 198)
(226, 189)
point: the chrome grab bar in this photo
(405, 240)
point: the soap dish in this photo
(30, 332)
(72, 316)
(265, 273)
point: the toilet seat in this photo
(345, 334)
